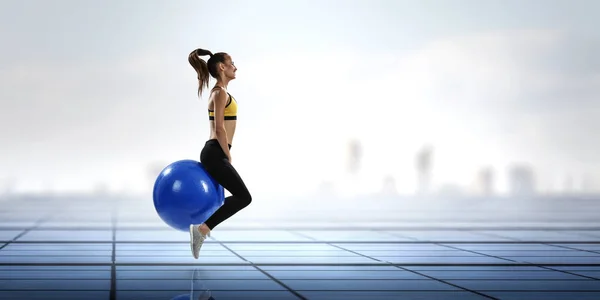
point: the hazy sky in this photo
(94, 91)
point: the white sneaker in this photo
(196, 240)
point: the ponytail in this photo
(205, 69)
(201, 67)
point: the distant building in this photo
(354, 156)
(424, 167)
(485, 181)
(521, 180)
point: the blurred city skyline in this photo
(519, 179)
(95, 94)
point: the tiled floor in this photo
(83, 252)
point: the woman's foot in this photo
(197, 236)
(204, 230)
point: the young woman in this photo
(215, 156)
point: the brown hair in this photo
(204, 69)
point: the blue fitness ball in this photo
(184, 193)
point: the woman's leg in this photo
(217, 166)
(227, 176)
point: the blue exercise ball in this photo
(184, 193)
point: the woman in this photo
(215, 156)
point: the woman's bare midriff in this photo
(229, 128)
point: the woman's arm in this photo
(220, 102)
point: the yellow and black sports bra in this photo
(230, 112)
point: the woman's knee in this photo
(245, 198)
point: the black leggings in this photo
(217, 165)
